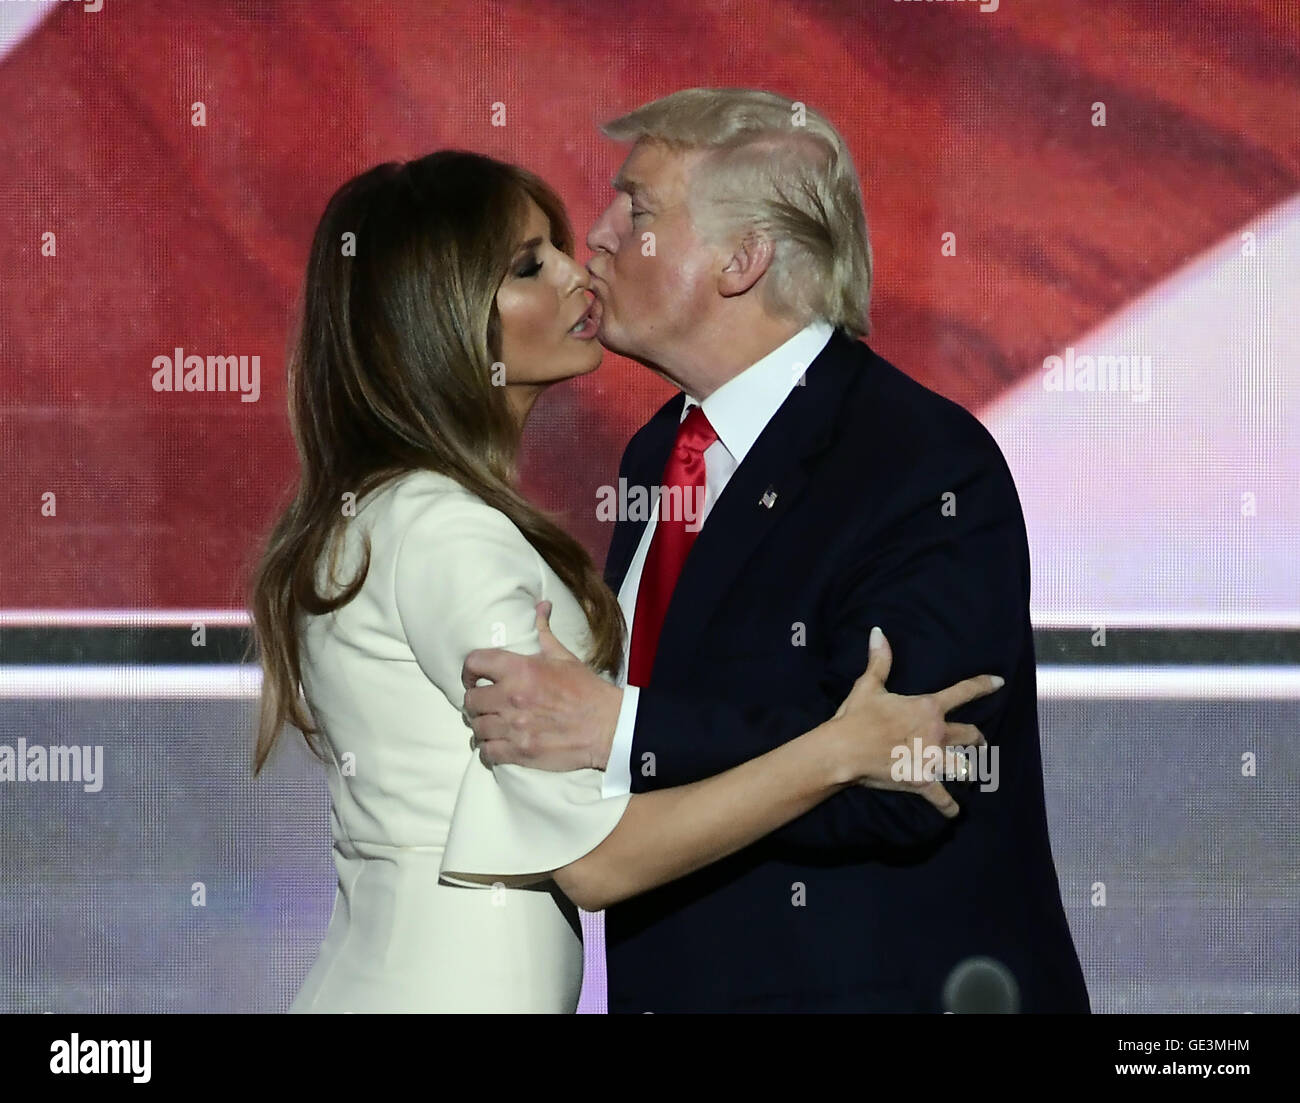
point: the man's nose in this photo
(601, 236)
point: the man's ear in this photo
(752, 257)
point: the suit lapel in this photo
(645, 467)
(780, 463)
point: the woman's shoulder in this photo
(413, 488)
(415, 492)
(422, 492)
(427, 510)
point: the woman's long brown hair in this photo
(391, 372)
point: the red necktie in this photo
(671, 541)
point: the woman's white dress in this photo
(412, 805)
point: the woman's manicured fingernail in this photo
(998, 681)
(876, 639)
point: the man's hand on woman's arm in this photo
(550, 711)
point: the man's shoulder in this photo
(890, 409)
(656, 428)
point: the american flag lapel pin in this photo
(768, 500)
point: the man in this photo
(837, 494)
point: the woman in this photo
(441, 298)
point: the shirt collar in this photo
(740, 409)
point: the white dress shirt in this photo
(739, 411)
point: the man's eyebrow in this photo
(634, 187)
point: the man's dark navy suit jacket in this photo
(894, 507)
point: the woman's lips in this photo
(585, 327)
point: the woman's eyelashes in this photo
(532, 265)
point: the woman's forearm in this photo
(669, 833)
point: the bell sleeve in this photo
(465, 578)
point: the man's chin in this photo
(608, 341)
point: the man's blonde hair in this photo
(778, 166)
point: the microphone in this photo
(981, 986)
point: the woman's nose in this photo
(581, 278)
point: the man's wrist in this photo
(610, 714)
(617, 781)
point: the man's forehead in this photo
(652, 170)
